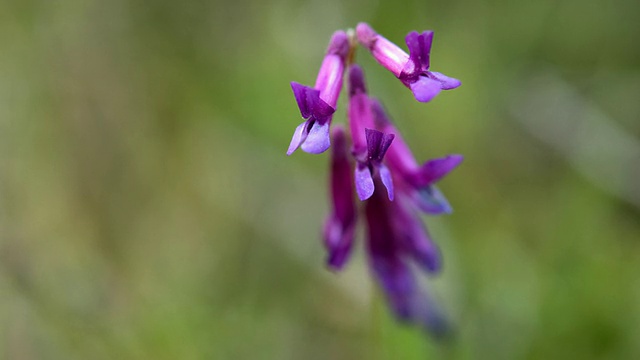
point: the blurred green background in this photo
(148, 210)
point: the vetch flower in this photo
(397, 241)
(369, 145)
(419, 180)
(340, 225)
(318, 104)
(395, 235)
(413, 68)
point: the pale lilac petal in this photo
(446, 83)
(299, 135)
(387, 181)
(364, 182)
(431, 201)
(425, 88)
(317, 140)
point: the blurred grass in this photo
(147, 209)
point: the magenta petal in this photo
(387, 180)
(317, 140)
(299, 135)
(364, 182)
(425, 88)
(446, 83)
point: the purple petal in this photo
(377, 143)
(339, 227)
(364, 182)
(385, 176)
(419, 49)
(425, 88)
(338, 238)
(431, 201)
(398, 283)
(446, 83)
(310, 104)
(436, 169)
(299, 135)
(317, 140)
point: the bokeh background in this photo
(148, 210)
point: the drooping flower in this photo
(318, 104)
(339, 227)
(413, 68)
(419, 179)
(369, 145)
(395, 236)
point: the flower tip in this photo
(339, 44)
(356, 80)
(366, 35)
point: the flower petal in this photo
(398, 283)
(364, 182)
(339, 227)
(387, 180)
(338, 238)
(310, 104)
(419, 48)
(434, 170)
(425, 89)
(377, 144)
(446, 83)
(299, 135)
(317, 140)
(431, 201)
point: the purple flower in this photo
(412, 69)
(340, 225)
(318, 104)
(397, 241)
(369, 145)
(395, 236)
(417, 180)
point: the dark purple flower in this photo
(418, 179)
(395, 236)
(340, 225)
(318, 104)
(369, 145)
(412, 69)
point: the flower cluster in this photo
(378, 167)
